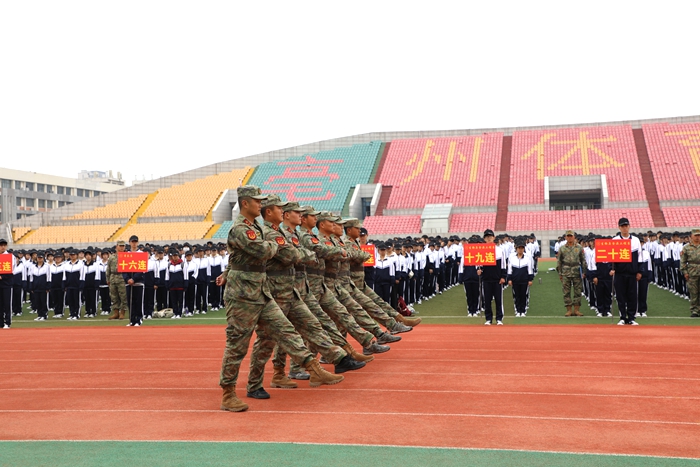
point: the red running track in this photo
(596, 389)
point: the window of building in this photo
(69, 191)
(40, 187)
(61, 204)
(6, 183)
(29, 202)
(49, 203)
(29, 186)
(19, 216)
(18, 185)
(42, 203)
(80, 192)
(50, 189)
(19, 201)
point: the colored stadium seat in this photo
(682, 216)
(674, 153)
(561, 152)
(160, 231)
(472, 222)
(19, 232)
(119, 210)
(69, 234)
(195, 198)
(463, 171)
(585, 220)
(322, 179)
(389, 225)
(222, 232)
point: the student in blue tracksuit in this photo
(150, 282)
(92, 281)
(643, 284)
(134, 290)
(492, 280)
(216, 267)
(103, 287)
(6, 286)
(520, 275)
(603, 282)
(58, 294)
(73, 283)
(161, 290)
(203, 278)
(191, 270)
(40, 285)
(469, 277)
(384, 274)
(176, 282)
(627, 276)
(19, 284)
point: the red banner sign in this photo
(6, 261)
(480, 254)
(369, 249)
(613, 251)
(132, 262)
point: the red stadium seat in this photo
(674, 153)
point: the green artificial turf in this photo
(546, 307)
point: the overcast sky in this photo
(151, 88)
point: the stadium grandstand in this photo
(540, 180)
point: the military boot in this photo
(568, 311)
(115, 315)
(356, 355)
(121, 314)
(408, 321)
(576, 310)
(320, 376)
(280, 380)
(231, 402)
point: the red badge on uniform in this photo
(251, 234)
(341, 243)
(295, 241)
(355, 246)
(329, 243)
(314, 240)
(280, 240)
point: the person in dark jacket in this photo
(492, 280)
(384, 274)
(469, 277)
(134, 290)
(58, 294)
(6, 277)
(40, 284)
(92, 281)
(176, 282)
(520, 275)
(73, 283)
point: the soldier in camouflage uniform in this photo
(117, 286)
(570, 262)
(281, 279)
(690, 268)
(357, 271)
(249, 302)
(292, 219)
(334, 300)
(374, 310)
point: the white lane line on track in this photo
(385, 414)
(459, 448)
(428, 391)
(364, 372)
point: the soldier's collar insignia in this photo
(314, 240)
(247, 222)
(329, 243)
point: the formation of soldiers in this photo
(298, 281)
(64, 280)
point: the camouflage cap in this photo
(339, 220)
(273, 200)
(353, 222)
(569, 232)
(310, 211)
(250, 191)
(293, 206)
(121, 242)
(695, 232)
(326, 216)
